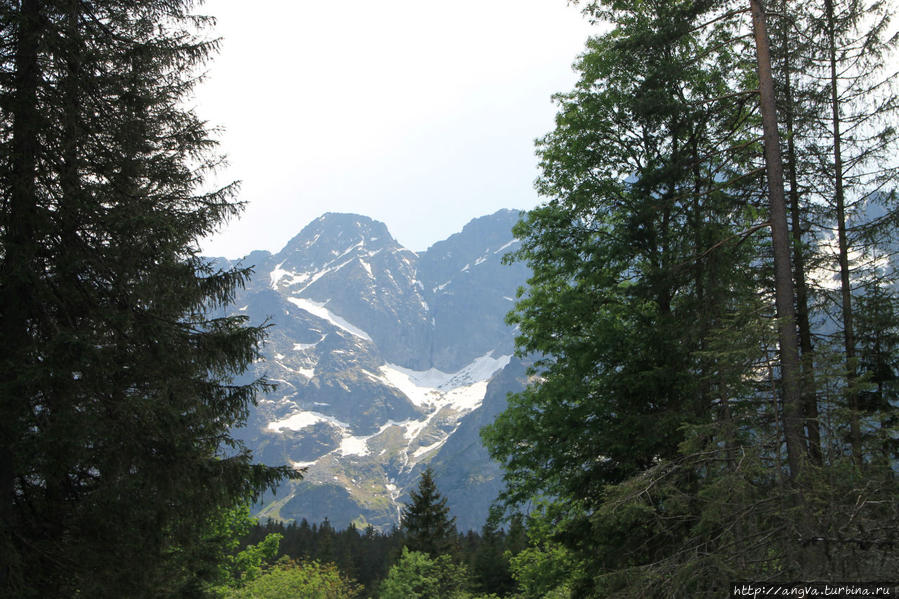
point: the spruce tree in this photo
(426, 520)
(117, 391)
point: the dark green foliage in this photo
(877, 321)
(489, 563)
(643, 254)
(426, 521)
(117, 392)
(368, 555)
(655, 417)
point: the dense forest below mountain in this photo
(710, 319)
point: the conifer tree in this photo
(784, 295)
(426, 520)
(117, 390)
(852, 147)
(797, 114)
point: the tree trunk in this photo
(843, 244)
(809, 387)
(783, 276)
(17, 273)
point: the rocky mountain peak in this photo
(333, 235)
(380, 355)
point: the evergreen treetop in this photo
(426, 520)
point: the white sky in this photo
(418, 113)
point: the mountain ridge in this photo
(381, 355)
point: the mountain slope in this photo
(383, 359)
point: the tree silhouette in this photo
(426, 520)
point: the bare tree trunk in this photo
(17, 272)
(783, 275)
(842, 242)
(809, 387)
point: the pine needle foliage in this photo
(426, 520)
(118, 387)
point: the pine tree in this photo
(117, 390)
(426, 520)
(784, 295)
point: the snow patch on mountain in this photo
(423, 450)
(351, 445)
(467, 398)
(318, 309)
(506, 245)
(358, 244)
(442, 394)
(302, 419)
(463, 389)
(358, 445)
(277, 274)
(305, 346)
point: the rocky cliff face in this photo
(385, 361)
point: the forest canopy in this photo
(720, 206)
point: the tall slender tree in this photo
(796, 115)
(784, 295)
(854, 147)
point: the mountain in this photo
(386, 360)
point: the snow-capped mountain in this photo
(385, 360)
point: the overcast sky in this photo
(418, 113)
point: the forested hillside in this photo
(710, 319)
